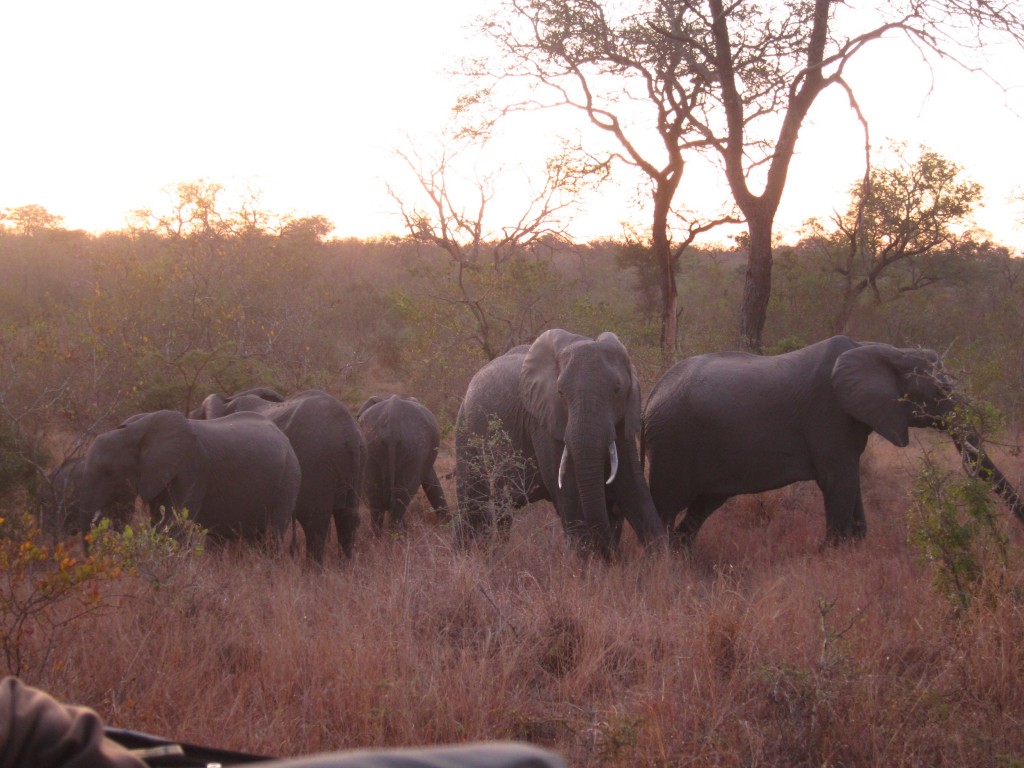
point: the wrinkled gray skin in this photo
(331, 453)
(402, 440)
(565, 402)
(238, 477)
(729, 423)
(63, 512)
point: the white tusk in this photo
(613, 452)
(562, 465)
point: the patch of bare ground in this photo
(755, 649)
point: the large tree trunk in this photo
(757, 287)
(669, 293)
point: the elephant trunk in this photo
(93, 499)
(977, 462)
(588, 435)
(638, 506)
(613, 455)
(590, 484)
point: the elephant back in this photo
(493, 393)
(397, 416)
(256, 468)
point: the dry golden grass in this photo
(757, 649)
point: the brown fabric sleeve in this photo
(36, 730)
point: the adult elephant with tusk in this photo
(570, 407)
(729, 423)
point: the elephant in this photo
(238, 476)
(63, 512)
(402, 440)
(728, 423)
(570, 408)
(331, 452)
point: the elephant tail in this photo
(643, 450)
(389, 475)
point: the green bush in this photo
(955, 526)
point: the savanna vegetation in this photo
(755, 649)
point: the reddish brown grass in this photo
(757, 649)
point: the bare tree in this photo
(456, 214)
(629, 81)
(732, 80)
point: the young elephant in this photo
(63, 511)
(238, 476)
(730, 423)
(331, 453)
(402, 440)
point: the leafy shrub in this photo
(955, 527)
(491, 464)
(45, 589)
(20, 455)
(147, 550)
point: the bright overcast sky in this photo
(107, 104)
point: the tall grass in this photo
(756, 649)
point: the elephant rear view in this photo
(730, 423)
(402, 441)
(238, 476)
(331, 453)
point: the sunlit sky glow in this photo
(108, 104)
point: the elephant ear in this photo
(538, 381)
(866, 382)
(213, 407)
(165, 438)
(368, 405)
(632, 420)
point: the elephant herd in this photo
(560, 419)
(248, 465)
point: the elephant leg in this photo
(666, 499)
(860, 523)
(315, 531)
(628, 498)
(615, 518)
(377, 515)
(844, 509)
(346, 521)
(473, 489)
(510, 494)
(697, 512)
(400, 503)
(435, 495)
